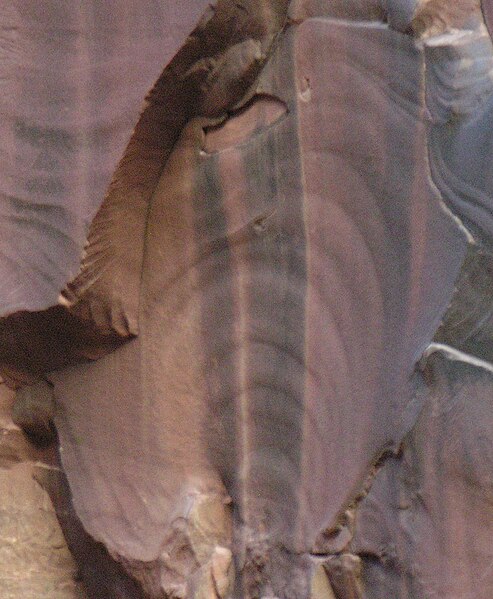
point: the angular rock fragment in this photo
(33, 412)
(468, 323)
(344, 573)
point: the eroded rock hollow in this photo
(256, 343)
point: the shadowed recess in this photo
(260, 113)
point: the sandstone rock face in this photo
(271, 376)
(34, 559)
(72, 82)
(72, 85)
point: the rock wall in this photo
(271, 376)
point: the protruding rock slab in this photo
(99, 308)
(72, 83)
(285, 299)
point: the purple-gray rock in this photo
(271, 373)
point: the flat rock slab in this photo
(285, 300)
(72, 84)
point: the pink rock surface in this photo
(283, 242)
(424, 529)
(72, 83)
(285, 299)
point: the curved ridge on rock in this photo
(98, 310)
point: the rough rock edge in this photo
(434, 17)
(98, 310)
(460, 332)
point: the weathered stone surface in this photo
(434, 17)
(280, 352)
(460, 99)
(99, 308)
(468, 323)
(321, 588)
(487, 7)
(285, 233)
(344, 574)
(33, 412)
(72, 81)
(34, 559)
(398, 13)
(425, 528)
(101, 575)
(89, 70)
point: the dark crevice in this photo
(326, 544)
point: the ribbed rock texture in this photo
(270, 377)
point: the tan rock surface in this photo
(35, 562)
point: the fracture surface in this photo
(303, 208)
